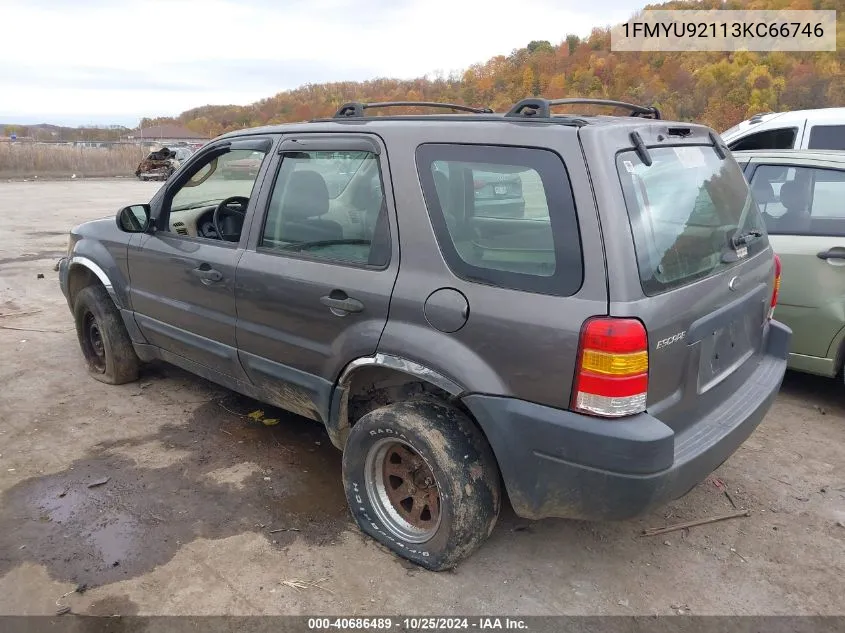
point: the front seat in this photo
(305, 202)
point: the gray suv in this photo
(596, 355)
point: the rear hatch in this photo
(704, 276)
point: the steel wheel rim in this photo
(403, 490)
(94, 344)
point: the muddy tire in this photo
(421, 479)
(103, 338)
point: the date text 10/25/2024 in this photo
(417, 624)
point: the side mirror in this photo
(134, 218)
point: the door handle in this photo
(837, 252)
(338, 301)
(207, 274)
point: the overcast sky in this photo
(112, 61)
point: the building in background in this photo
(167, 136)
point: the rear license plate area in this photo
(723, 351)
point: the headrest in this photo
(763, 192)
(307, 196)
(368, 195)
(792, 196)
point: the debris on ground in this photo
(733, 551)
(689, 524)
(40, 276)
(680, 609)
(721, 486)
(258, 416)
(99, 482)
(306, 584)
(277, 530)
(62, 610)
(820, 409)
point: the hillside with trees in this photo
(719, 89)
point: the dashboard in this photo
(194, 222)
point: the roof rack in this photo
(541, 108)
(356, 109)
(759, 117)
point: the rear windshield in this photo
(684, 210)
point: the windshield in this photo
(687, 211)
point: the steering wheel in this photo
(230, 218)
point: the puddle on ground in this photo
(140, 517)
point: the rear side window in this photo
(800, 200)
(782, 138)
(827, 137)
(684, 210)
(503, 216)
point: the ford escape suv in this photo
(593, 355)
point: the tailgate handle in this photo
(837, 252)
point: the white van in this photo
(802, 129)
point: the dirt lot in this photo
(189, 520)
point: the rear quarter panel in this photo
(514, 343)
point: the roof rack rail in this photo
(541, 108)
(356, 109)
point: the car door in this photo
(314, 285)
(183, 274)
(804, 210)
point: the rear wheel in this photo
(421, 479)
(103, 338)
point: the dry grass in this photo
(20, 160)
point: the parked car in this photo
(823, 128)
(801, 195)
(594, 356)
(245, 168)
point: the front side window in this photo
(684, 209)
(330, 206)
(232, 174)
(503, 216)
(800, 200)
(229, 177)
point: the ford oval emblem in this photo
(734, 283)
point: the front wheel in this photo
(421, 479)
(103, 338)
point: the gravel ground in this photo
(208, 512)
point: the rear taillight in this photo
(611, 379)
(776, 288)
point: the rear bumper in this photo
(558, 463)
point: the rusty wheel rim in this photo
(93, 343)
(403, 491)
